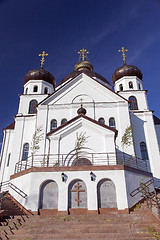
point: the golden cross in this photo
(123, 53)
(83, 54)
(43, 54)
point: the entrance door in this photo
(106, 194)
(49, 195)
(77, 195)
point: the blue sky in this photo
(62, 28)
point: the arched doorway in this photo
(49, 195)
(77, 194)
(82, 162)
(106, 194)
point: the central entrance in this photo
(77, 195)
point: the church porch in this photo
(78, 189)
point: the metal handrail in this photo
(96, 159)
(142, 187)
(15, 188)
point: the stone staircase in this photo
(140, 224)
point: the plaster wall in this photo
(157, 128)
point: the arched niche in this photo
(48, 195)
(82, 162)
(106, 194)
(77, 194)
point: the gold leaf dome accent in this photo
(84, 65)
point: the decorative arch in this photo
(53, 124)
(77, 194)
(82, 162)
(133, 103)
(144, 152)
(48, 198)
(33, 106)
(25, 151)
(112, 122)
(101, 120)
(106, 194)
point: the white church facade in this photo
(81, 146)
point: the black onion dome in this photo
(81, 110)
(40, 74)
(87, 72)
(126, 70)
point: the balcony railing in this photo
(84, 158)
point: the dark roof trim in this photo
(87, 118)
(77, 76)
(11, 126)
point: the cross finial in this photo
(43, 54)
(123, 54)
(83, 54)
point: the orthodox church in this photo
(80, 146)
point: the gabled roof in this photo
(65, 83)
(11, 126)
(87, 118)
(156, 120)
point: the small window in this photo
(26, 91)
(101, 120)
(139, 86)
(133, 103)
(53, 124)
(120, 87)
(63, 121)
(131, 85)
(144, 152)
(35, 89)
(33, 106)
(112, 122)
(8, 161)
(25, 151)
(46, 90)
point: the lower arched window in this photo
(112, 122)
(53, 124)
(144, 152)
(101, 120)
(25, 151)
(133, 103)
(32, 106)
(63, 121)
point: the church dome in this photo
(40, 74)
(84, 65)
(126, 70)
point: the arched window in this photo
(144, 152)
(131, 85)
(112, 122)
(101, 120)
(120, 87)
(46, 90)
(32, 106)
(63, 121)
(25, 151)
(139, 86)
(53, 124)
(133, 103)
(26, 91)
(8, 161)
(35, 88)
